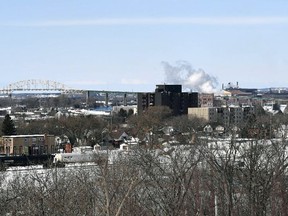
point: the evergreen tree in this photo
(122, 113)
(8, 127)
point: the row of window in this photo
(34, 139)
(27, 150)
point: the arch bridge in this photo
(38, 85)
(53, 86)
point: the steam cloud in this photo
(189, 78)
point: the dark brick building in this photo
(168, 95)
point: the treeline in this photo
(87, 129)
(209, 177)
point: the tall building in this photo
(170, 96)
(145, 100)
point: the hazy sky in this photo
(127, 44)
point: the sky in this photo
(133, 45)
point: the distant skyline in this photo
(133, 45)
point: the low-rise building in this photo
(36, 144)
(236, 115)
(207, 113)
(232, 115)
(206, 100)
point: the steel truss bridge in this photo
(34, 85)
(38, 85)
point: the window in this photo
(15, 150)
(52, 149)
(45, 149)
(8, 150)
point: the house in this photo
(124, 147)
(208, 129)
(219, 130)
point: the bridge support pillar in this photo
(125, 99)
(87, 97)
(106, 99)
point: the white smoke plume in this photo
(190, 79)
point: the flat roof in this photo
(28, 135)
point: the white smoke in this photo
(190, 79)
